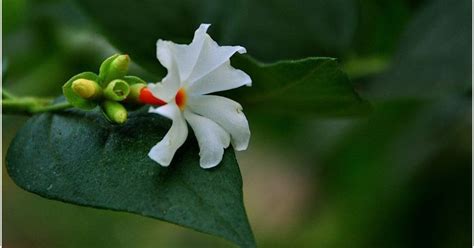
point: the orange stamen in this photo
(181, 98)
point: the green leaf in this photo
(312, 86)
(270, 30)
(78, 157)
(76, 100)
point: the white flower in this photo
(195, 70)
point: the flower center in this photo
(181, 98)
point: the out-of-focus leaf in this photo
(270, 30)
(4, 68)
(371, 173)
(79, 157)
(45, 79)
(53, 44)
(400, 136)
(434, 57)
(314, 86)
(14, 16)
(380, 24)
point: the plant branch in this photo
(53, 107)
(31, 105)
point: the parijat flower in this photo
(194, 71)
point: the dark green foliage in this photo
(312, 86)
(433, 58)
(79, 157)
(396, 177)
(270, 30)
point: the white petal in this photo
(164, 151)
(167, 88)
(212, 139)
(211, 57)
(188, 55)
(225, 112)
(163, 90)
(196, 60)
(225, 77)
(180, 59)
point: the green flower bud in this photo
(117, 90)
(114, 112)
(134, 96)
(119, 66)
(87, 89)
(82, 88)
(115, 67)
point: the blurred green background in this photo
(398, 177)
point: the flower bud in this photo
(117, 68)
(86, 88)
(114, 111)
(86, 91)
(117, 90)
(134, 96)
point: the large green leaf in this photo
(312, 86)
(270, 30)
(80, 158)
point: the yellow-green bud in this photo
(117, 90)
(118, 68)
(134, 96)
(114, 111)
(86, 88)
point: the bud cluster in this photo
(109, 90)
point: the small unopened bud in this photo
(114, 111)
(134, 96)
(118, 68)
(86, 89)
(117, 90)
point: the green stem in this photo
(53, 107)
(30, 106)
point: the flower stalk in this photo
(31, 106)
